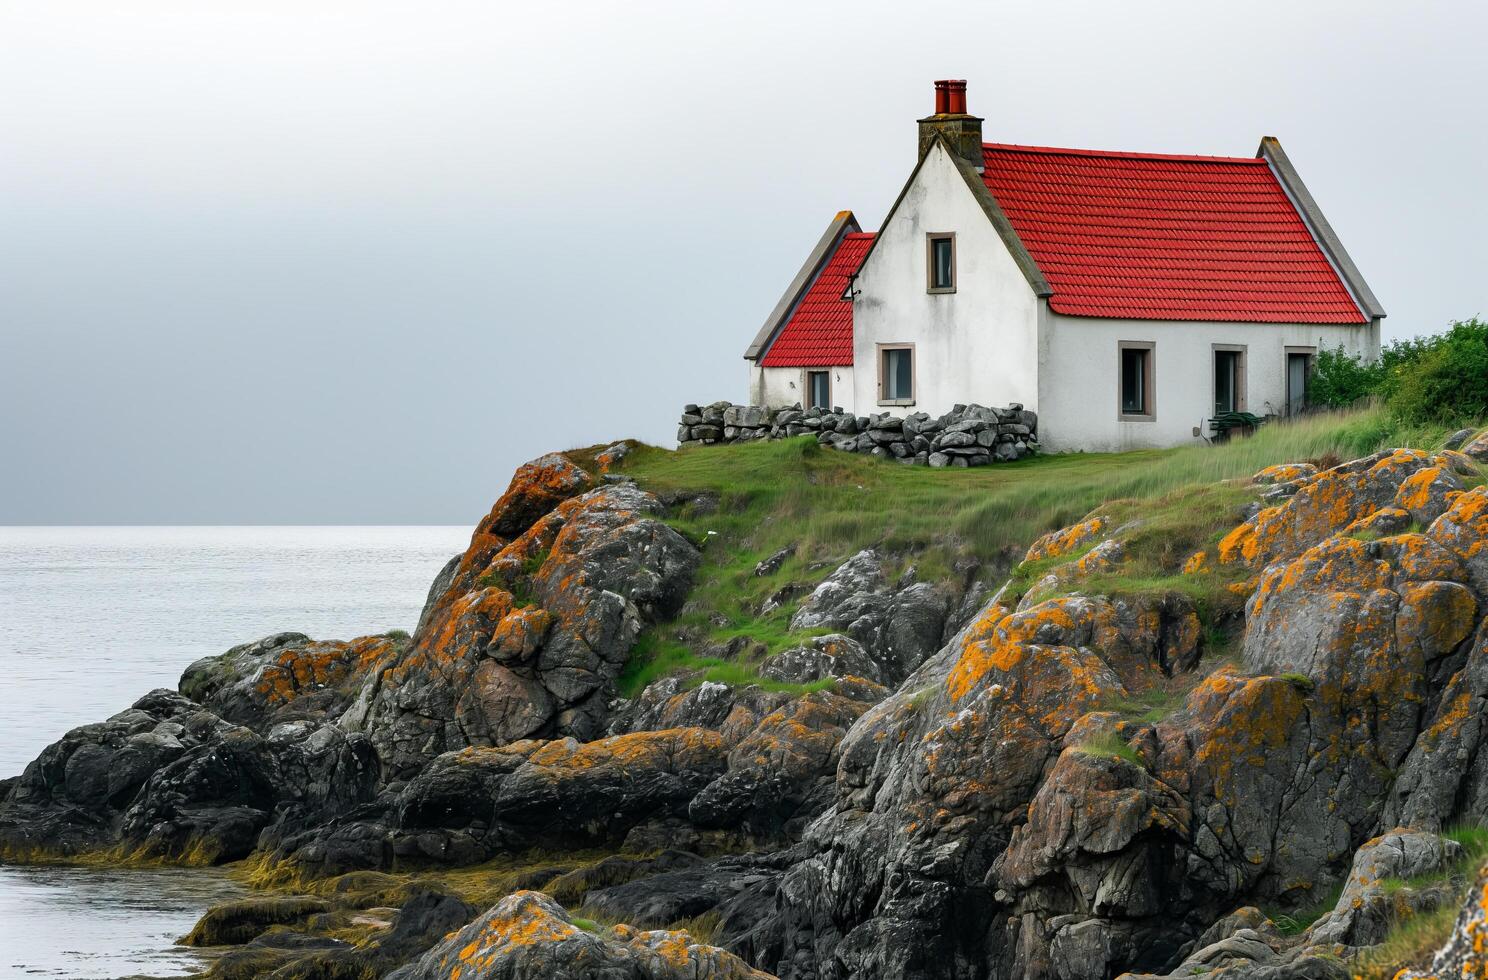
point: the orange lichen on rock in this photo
(672, 748)
(1329, 503)
(997, 643)
(1056, 544)
(1463, 529)
(1284, 473)
(528, 934)
(1243, 720)
(329, 663)
(1427, 492)
(535, 489)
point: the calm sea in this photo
(92, 618)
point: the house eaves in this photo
(841, 225)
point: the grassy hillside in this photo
(752, 500)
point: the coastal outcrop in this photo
(528, 935)
(169, 780)
(1237, 733)
(535, 623)
(995, 817)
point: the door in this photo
(1228, 396)
(1299, 366)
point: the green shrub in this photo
(1448, 382)
(1340, 379)
(1442, 378)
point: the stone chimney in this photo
(963, 132)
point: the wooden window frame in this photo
(1149, 378)
(806, 374)
(931, 237)
(914, 370)
(1242, 400)
(1286, 358)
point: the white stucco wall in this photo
(781, 387)
(978, 344)
(1079, 375)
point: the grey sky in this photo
(350, 262)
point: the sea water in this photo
(91, 618)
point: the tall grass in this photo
(1414, 938)
(792, 491)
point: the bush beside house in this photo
(1440, 378)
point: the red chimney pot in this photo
(956, 89)
(942, 97)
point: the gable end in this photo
(1270, 150)
(841, 225)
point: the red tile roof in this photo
(819, 332)
(1159, 237)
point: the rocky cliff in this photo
(1238, 728)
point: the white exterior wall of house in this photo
(978, 344)
(779, 387)
(1079, 375)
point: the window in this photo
(896, 374)
(940, 262)
(818, 389)
(1229, 379)
(1298, 379)
(1137, 402)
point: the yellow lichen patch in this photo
(1455, 709)
(1241, 545)
(1324, 505)
(1416, 491)
(1463, 528)
(297, 670)
(519, 634)
(1001, 646)
(1459, 463)
(1246, 720)
(1058, 543)
(680, 747)
(1284, 473)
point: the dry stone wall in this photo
(968, 435)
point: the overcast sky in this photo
(351, 262)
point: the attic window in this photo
(940, 262)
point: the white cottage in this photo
(1127, 298)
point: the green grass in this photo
(1414, 939)
(744, 502)
(1474, 841)
(1301, 682)
(1411, 942)
(703, 928)
(521, 585)
(654, 657)
(921, 696)
(1110, 744)
(1297, 921)
(1149, 706)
